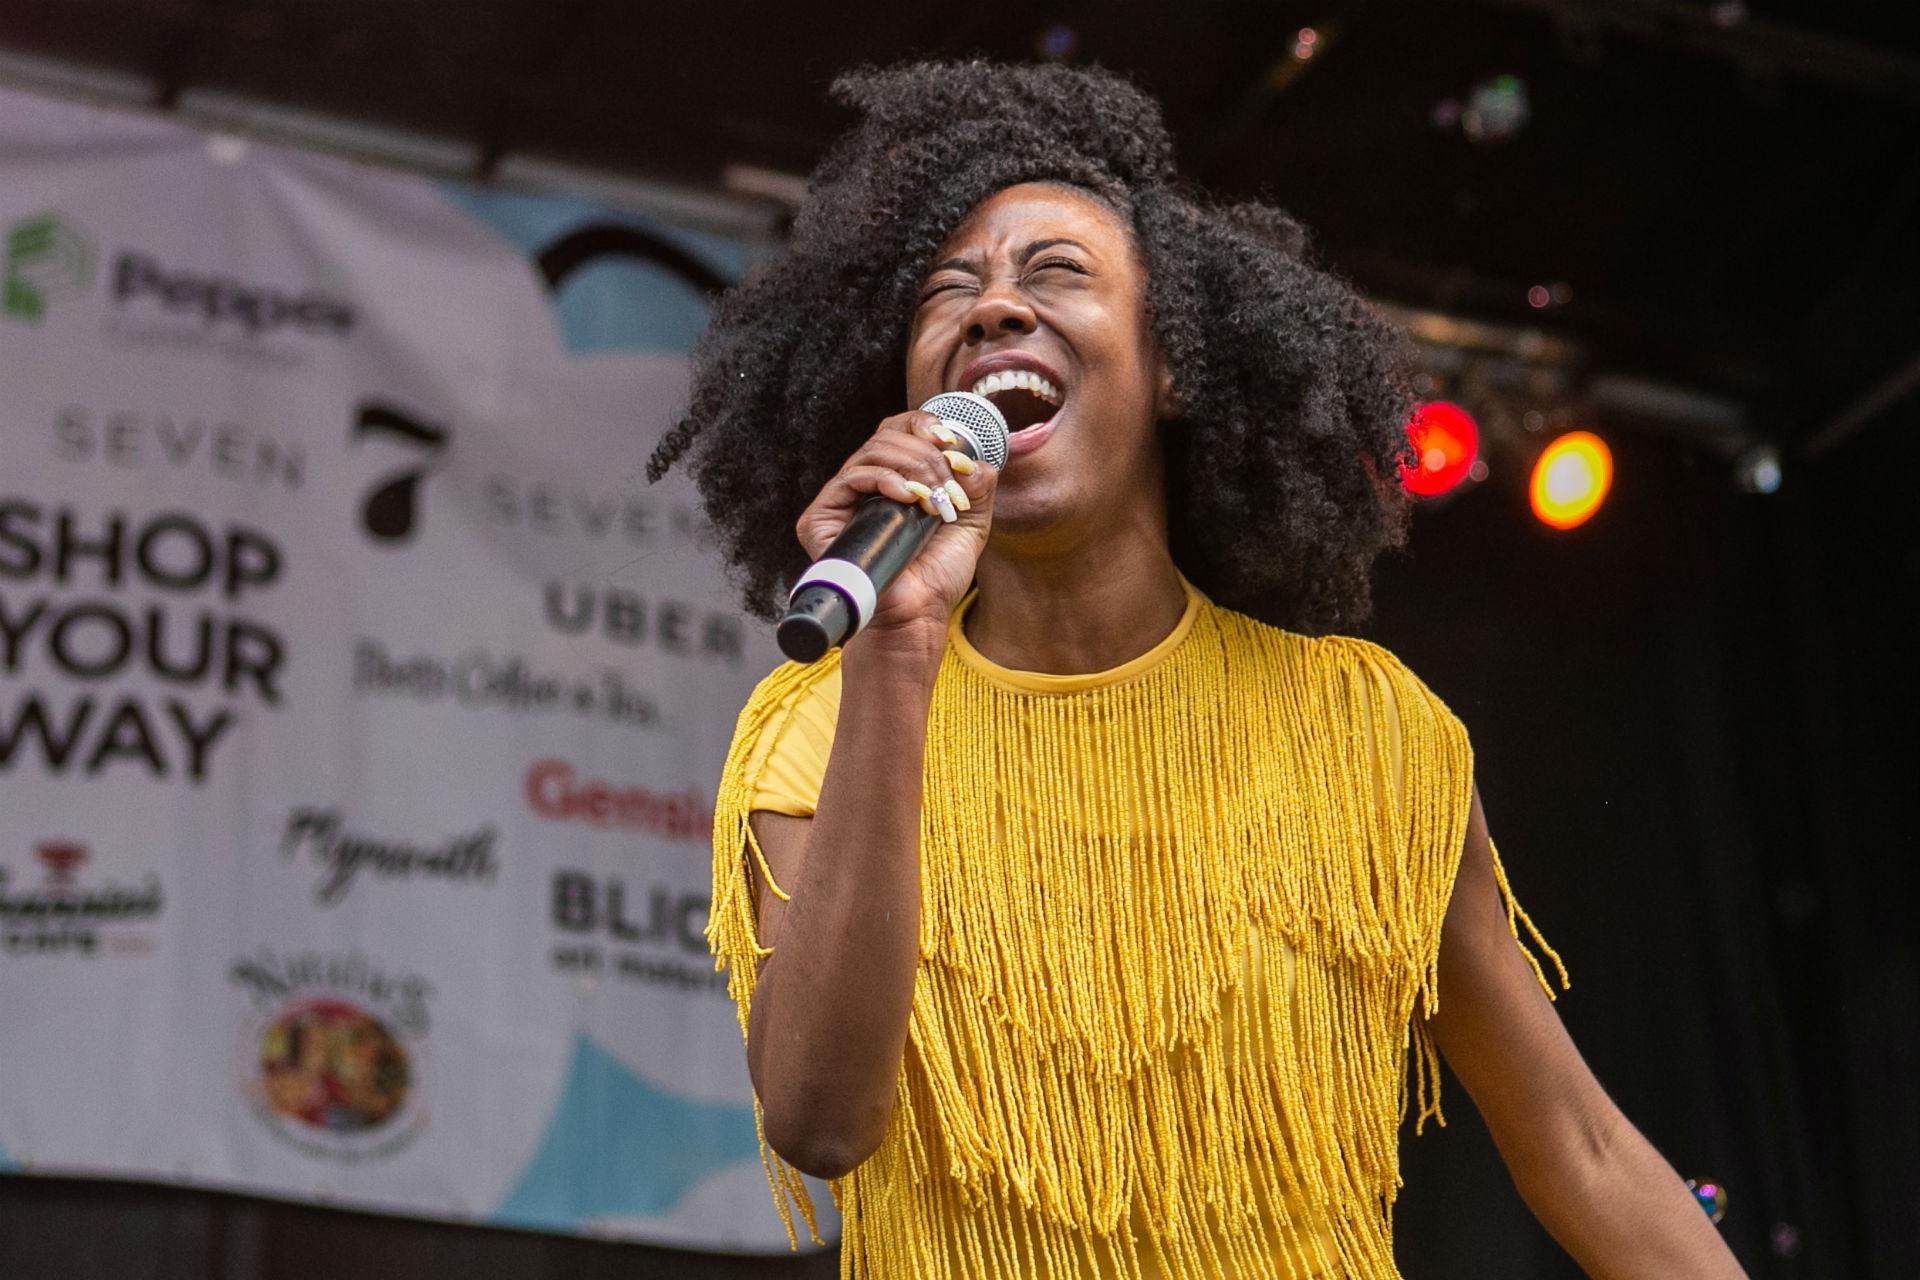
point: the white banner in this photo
(360, 703)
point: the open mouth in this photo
(1023, 397)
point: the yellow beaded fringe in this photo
(1105, 1068)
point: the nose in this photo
(998, 309)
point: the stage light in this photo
(1710, 1196)
(1758, 469)
(1571, 478)
(1539, 296)
(1057, 43)
(1308, 45)
(1446, 441)
(1496, 109)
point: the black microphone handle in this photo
(879, 541)
(837, 594)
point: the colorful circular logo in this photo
(336, 1080)
(333, 1067)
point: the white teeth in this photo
(1018, 379)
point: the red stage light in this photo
(1445, 442)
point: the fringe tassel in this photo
(1517, 916)
(732, 924)
(1173, 936)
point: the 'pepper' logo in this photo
(46, 257)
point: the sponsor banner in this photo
(360, 703)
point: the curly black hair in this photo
(1283, 463)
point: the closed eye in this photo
(927, 295)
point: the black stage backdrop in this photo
(1694, 722)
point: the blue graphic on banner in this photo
(617, 282)
(620, 1146)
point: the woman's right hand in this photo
(911, 456)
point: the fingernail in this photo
(944, 505)
(925, 495)
(962, 465)
(959, 495)
(944, 434)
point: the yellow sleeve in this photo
(1423, 772)
(778, 757)
(789, 757)
(1422, 768)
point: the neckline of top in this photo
(1076, 682)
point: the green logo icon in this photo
(46, 257)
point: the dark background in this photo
(1693, 715)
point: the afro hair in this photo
(1283, 461)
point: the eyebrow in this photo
(970, 266)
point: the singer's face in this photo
(1038, 302)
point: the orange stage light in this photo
(1571, 479)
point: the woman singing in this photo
(1085, 911)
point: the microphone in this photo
(836, 596)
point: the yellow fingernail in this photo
(962, 465)
(944, 434)
(958, 495)
(924, 494)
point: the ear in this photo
(1166, 404)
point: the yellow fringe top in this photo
(1175, 921)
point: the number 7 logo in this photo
(391, 511)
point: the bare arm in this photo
(1588, 1175)
(829, 1019)
(828, 1026)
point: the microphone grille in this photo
(976, 416)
